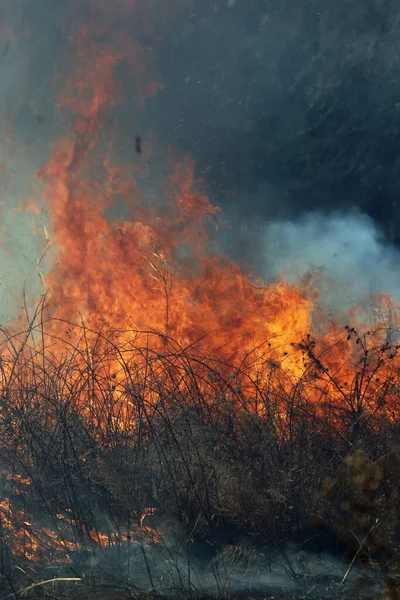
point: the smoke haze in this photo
(290, 111)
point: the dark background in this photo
(303, 97)
(289, 108)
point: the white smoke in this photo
(354, 258)
(172, 572)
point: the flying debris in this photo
(35, 112)
(138, 144)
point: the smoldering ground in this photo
(170, 569)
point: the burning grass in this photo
(178, 438)
(130, 464)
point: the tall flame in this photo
(159, 269)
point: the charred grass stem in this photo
(100, 428)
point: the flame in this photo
(34, 542)
(159, 270)
(153, 292)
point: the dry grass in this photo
(93, 438)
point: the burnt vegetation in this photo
(129, 465)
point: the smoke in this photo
(238, 571)
(303, 98)
(291, 113)
(348, 251)
(28, 50)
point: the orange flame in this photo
(158, 275)
(159, 270)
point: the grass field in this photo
(131, 465)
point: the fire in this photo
(144, 309)
(158, 269)
(32, 541)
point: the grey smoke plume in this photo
(352, 254)
(346, 254)
(241, 572)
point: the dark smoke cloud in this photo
(294, 107)
(302, 96)
(291, 111)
